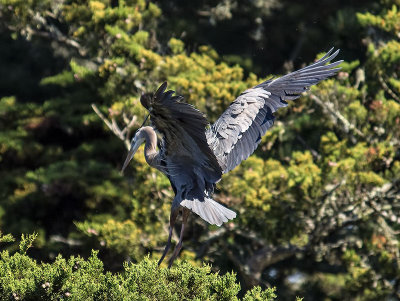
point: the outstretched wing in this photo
(238, 131)
(183, 128)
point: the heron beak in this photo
(134, 147)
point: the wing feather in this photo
(183, 128)
(238, 131)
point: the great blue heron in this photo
(194, 157)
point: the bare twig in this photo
(129, 124)
(113, 126)
(337, 115)
(96, 109)
(125, 118)
(325, 197)
(116, 129)
(54, 33)
(387, 88)
(51, 31)
(68, 241)
(314, 153)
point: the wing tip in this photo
(160, 93)
(162, 88)
(329, 55)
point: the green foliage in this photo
(176, 46)
(388, 21)
(22, 278)
(6, 238)
(257, 294)
(26, 242)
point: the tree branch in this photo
(113, 126)
(337, 115)
(387, 88)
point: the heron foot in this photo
(177, 248)
(167, 246)
(185, 215)
(172, 219)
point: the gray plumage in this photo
(238, 131)
(194, 157)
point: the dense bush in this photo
(22, 278)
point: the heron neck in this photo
(150, 147)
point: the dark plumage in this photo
(194, 157)
(187, 122)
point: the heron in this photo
(194, 154)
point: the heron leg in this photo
(185, 215)
(172, 219)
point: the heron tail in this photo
(209, 210)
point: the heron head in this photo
(137, 140)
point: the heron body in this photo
(194, 156)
